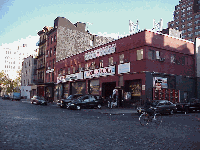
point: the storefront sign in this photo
(100, 52)
(159, 82)
(75, 76)
(124, 68)
(99, 72)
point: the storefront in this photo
(78, 87)
(94, 87)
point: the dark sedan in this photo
(6, 97)
(37, 100)
(63, 103)
(86, 101)
(162, 107)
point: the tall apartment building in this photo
(187, 19)
(28, 87)
(12, 56)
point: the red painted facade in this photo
(146, 40)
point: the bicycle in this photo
(145, 118)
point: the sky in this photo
(20, 19)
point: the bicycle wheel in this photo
(144, 119)
(158, 119)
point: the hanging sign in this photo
(100, 52)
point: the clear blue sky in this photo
(21, 18)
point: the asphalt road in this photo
(24, 126)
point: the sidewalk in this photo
(103, 110)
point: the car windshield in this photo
(70, 97)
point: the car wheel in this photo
(78, 107)
(186, 110)
(99, 106)
(172, 112)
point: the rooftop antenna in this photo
(133, 28)
(157, 26)
(88, 23)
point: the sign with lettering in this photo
(100, 52)
(106, 71)
(124, 68)
(75, 76)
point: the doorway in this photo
(107, 89)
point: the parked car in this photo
(101, 100)
(37, 100)
(86, 101)
(63, 103)
(161, 106)
(189, 106)
(6, 97)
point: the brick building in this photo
(187, 19)
(146, 64)
(63, 40)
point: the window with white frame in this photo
(190, 29)
(183, 20)
(183, 26)
(183, 15)
(140, 54)
(189, 24)
(101, 63)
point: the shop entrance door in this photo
(107, 89)
(120, 98)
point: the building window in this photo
(140, 54)
(183, 20)
(189, 18)
(54, 52)
(121, 58)
(190, 29)
(172, 25)
(51, 40)
(183, 26)
(183, 60)
(183, 15)
(176, 28)
(111, 61)
(177, 22)
(68, 70)
(73, 70)
(101, 63)
(183, 31)
(173, 58)
(189, 24)
(197, 16)
(86, 66)
(92, 65)
(54, 38)
(79, 67)
(50, 51)
(151, 54)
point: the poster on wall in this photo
(66, 90)
(135, 87)
(94, 87)
(159, 82)
(78, 88)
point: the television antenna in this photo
(133, 28)
(157, 26)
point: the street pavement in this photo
(24, 126)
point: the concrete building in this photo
(145, 64)
(187, 19)
(28, 87)
(13, 54)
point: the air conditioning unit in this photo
(162, 59)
